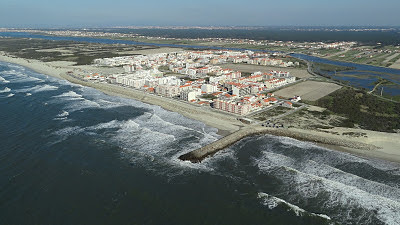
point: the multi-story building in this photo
(167, 90)
(209, 88)
(232, 106)
(190, 95)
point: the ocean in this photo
(72, 155)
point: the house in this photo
(208, 88)
(272, 100)
(287, 104)
(295, 99)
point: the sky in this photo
(106, 13)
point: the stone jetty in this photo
(199, 154)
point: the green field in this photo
(47, 50)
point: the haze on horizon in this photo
(102, 13)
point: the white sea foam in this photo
(331, 173)
(147, 136)
(28, 94)
(4, 80)
(331, 157)
(5, 90)
(290, 142)
(81, 104)
(272, 202)
(63, 114)
(18, 76)
(76, 102)
(10, 95)
(158, 135)
(68, 131)
(69, 94)
(310, 180)
(39, 88)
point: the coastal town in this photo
(208, 112)
(199, 77)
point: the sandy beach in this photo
(374, 144)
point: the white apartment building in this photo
(190, 95)
(167, 90)
(209, 88)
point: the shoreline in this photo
(199, 154)
(228, 126)
(225, 123)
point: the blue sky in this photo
(203, 12)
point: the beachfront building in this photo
(190, 95)
(167, 90)
(232, 106)
(207, 78)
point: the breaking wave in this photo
(309, 178)
(4, 80)
(69, 94)
(62, 116)
(5, 90)
(272, 202)
(75, 102)
(39, 88)
(15, 76)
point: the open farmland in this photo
(396, 65)
(309, 90)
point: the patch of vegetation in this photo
(208, 96)
(366, 110)
(355, 134)
(271, 113)
(302, 63)
(246, 74)
(329, 67)
(48, 50)
(163, 68)
(320, 126)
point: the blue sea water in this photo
(73, 155)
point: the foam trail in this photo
(39, 88)
(10, 95)
(272, 202)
